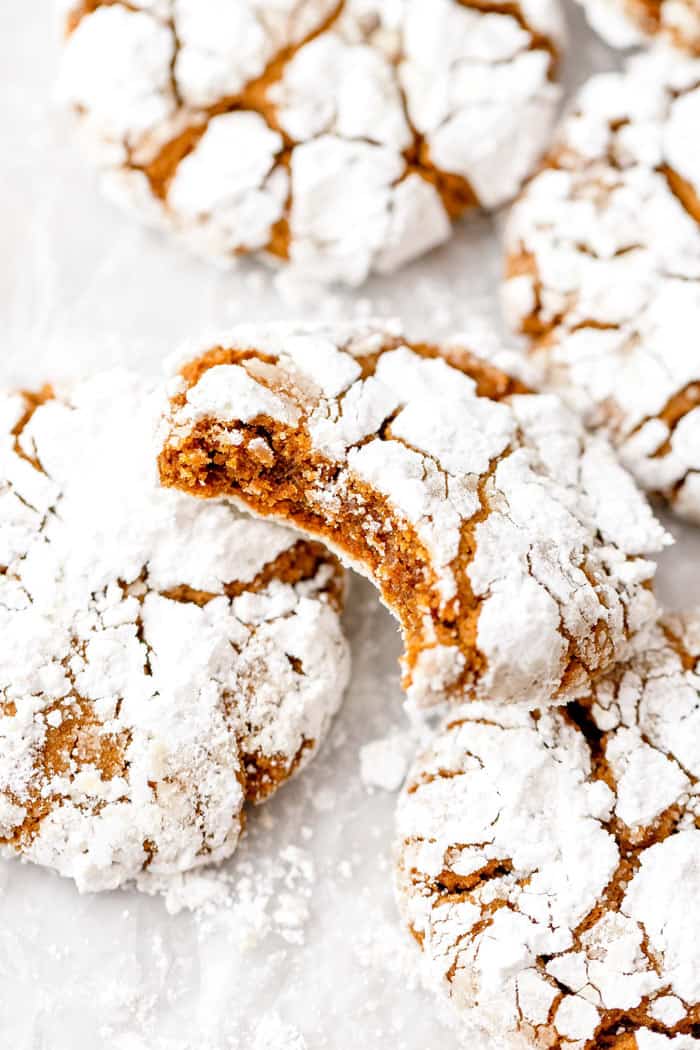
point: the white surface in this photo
(81, 288)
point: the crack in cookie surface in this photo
(628, 23)
(603, 269)
(163, 661)
(469, 501)
(342, 136)
(547, 862)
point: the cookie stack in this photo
(536, 833)
(171, 554)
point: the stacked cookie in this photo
(164, 661)
(170, 560)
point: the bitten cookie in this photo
(603, 268)
(162, 661)
(549, 863)
(628, 23)
(508, 543)
(341, 136)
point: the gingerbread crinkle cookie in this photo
(163, 660)
(548, 863)
(603, 269)
(509, 544)
(340, 136)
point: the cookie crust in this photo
(603, 269)
(548, 862)
(629, 23)
(342, 136)
(163, 662)
(421, 467)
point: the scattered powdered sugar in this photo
(52, 330)
(604, 268)
(164, 660)
(341, 137)
(445, 451)
(548, 863)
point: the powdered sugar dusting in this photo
(629, 23)
(442, 460)
(604, 268)
(254, 901)
(535, 854)
(163, 660)
(339, 136)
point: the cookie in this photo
(508, 543)
(629, 23)
(341, 137)
(163, 660)
(603, 269)
(549, 863)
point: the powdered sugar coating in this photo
(508, 542)
(162, 659)
(604, 268)
(338, 135)
(548, 863)
(629, 23)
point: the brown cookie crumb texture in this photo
(455, 191)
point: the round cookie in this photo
(341, 136)
(603, 268)
(629, 23)
(549, 862)
(163, 660)
(508, 542)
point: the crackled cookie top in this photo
(549, 863)
(628, 23)
(603, 268)
(163, 659)
(339, 135)
(510, 544)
